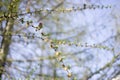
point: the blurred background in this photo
(86, 33)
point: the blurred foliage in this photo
(40, 23)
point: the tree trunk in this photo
(5, 45)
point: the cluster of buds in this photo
(60, 59)
(59, 10)
(77, 44)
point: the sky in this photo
(93, 26)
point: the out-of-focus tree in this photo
(43, 40)
(7, 9)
